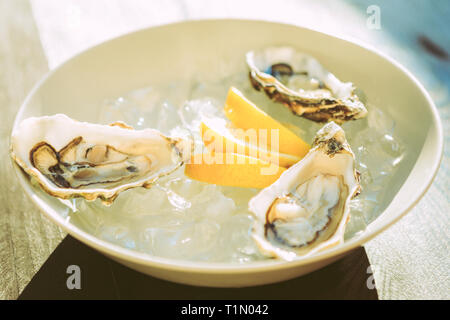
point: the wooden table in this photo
(410, 260)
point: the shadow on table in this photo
(102, 278)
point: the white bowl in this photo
(181, 50)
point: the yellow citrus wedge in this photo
(218, 138)
(246, 115)
(232, 169)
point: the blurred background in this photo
(410, 260)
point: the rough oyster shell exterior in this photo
(71, 159)
(329, 99)
(330, 161)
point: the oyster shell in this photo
(307, 208)
(302, 84)
(77, 159)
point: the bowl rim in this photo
(180, 265)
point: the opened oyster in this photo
(307, 208)
(302, 84)
(78, 159)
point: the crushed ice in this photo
(186, 219)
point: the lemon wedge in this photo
(220, 138)
(232, 169)
(244, 114)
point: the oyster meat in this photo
(307, 208)
(302, 84)
(69, 158)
